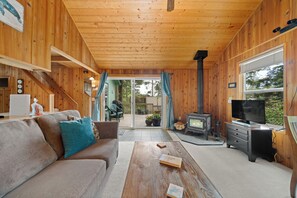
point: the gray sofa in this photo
(32, 163)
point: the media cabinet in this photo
(255, 142)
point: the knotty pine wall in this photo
(183, 86)
(46, 24)
(72, 81)
(65, 35)
(254, 38)
(33, 45)
(30, 87)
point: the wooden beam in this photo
(63, 54)
(19, 64)
(59, 59)
(144, 5)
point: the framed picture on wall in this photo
(12, 14)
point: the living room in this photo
(59, 50)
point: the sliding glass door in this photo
(132, 100)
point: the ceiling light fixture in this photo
(170, 5)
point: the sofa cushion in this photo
(76, 135)
(64, 178)
(23, 153)
(50, 127)
(106, 149)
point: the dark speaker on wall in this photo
(20, 86)
(4, 82)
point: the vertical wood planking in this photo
(67, 37)
(72, 81)
(30, 87)
(46, 24)
(254, 38)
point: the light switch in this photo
(230, 100)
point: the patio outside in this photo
(148, 101)
(125, 121)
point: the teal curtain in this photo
(96, 110)
(165, 79)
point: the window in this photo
(263, 80)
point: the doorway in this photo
(131, 100)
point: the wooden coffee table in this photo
(146, 177)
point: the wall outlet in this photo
(179, 117)
(230, 100)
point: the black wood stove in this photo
(199, 122)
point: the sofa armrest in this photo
(107, 130)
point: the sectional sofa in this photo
(32, 163)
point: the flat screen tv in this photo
(249, 111)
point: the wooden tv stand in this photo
(255, 142)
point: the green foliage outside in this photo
(156, 116)
(273, 106)
(149, 118)
(268, 78)
(152, 88)
(125, 97)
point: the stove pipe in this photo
(200, 55)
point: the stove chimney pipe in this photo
(200, 55)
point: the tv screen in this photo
(4, 82)
(249, 110)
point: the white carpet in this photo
(228, 169)
(234, 176)
(116, 181)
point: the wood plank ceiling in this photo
(141, 34)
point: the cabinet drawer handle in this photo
(236, 133)
(236, 129)
(236, 141)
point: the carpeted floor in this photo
(228, 169)
(198, 139)
(116, 181)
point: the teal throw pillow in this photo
(76, 135)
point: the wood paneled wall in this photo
(254, 38)
(66, 35)
(46, 24)
(183, 86)
(30, 87)
(72, 81)
(33, 45)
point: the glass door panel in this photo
(118, 102)
(148, 100)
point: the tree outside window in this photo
(267, 84)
